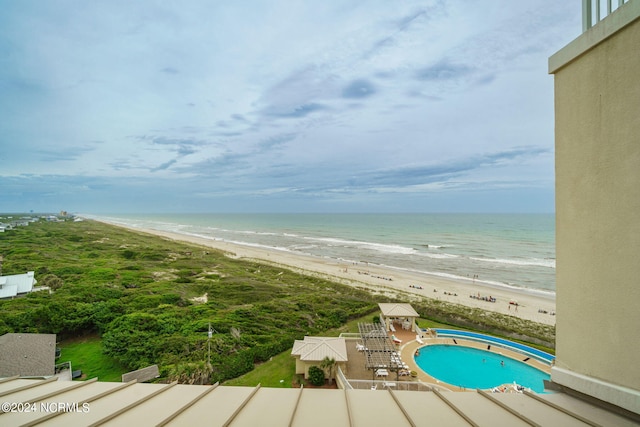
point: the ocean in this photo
(506, 250)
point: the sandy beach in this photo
(389, 281)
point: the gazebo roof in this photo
(397, 310)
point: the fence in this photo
(593, 11)
(390, 384)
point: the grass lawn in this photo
(277, 372)
(86, 354)
(283, 366)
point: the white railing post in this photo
(587, 11)
(586, 15)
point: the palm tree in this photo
(328, 365)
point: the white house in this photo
(312, 350)
(11, 286)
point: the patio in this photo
(361, 368)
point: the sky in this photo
(279, 105)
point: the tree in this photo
(316, 376)
(328, 365)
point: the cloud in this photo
(357, 89)
(297, 111)
(164, 166)
(303, 104)
(444, 70)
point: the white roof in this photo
(397, 310)
(315, 349)
(16, 284)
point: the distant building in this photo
(14, 285)
(27, 355)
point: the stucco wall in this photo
(597, 106)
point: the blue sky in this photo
(279, 106)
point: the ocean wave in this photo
(436, 255)
(258, 245)
(490, 283)
(537, 262)
(380, 247)
(428, 246)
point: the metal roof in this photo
(11, 286)
(101, 403)
(314, 349)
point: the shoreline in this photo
(531, 305)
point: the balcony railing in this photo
(593, 11)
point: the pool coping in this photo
(408, 350)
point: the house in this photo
(27, 355)
(312, 350)
(13, 285)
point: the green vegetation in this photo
(151, 300)
(279, 371)
(85, 353)
(316, 376)
(146, 300)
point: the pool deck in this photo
(408, 348)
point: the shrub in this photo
(129, 254)
(316, 376)
(52, 281)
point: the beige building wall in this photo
(597, 107)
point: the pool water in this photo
(473, 368)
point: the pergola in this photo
(380, 352)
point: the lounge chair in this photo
(382, 373)
(419, 339)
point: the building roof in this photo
(27, 355)
(15, 284)
(315, 349)
(176, 405)
(397, 310)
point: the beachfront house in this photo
(16, 284)
(27, 355)
(312, 351)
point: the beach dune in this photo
(526, 304)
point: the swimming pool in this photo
(473, 368)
